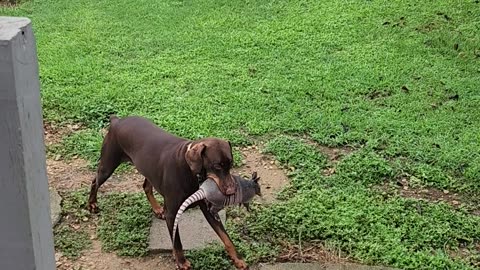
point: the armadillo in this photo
(245, 191)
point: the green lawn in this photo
(397, 80)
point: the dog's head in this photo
(214, 158)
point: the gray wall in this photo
(26, 240)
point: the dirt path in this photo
(75, 174)
(96, 259)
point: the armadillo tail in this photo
(195, 197)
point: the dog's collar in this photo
(200, 176)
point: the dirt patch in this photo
(95, 258)
(8, 3)
(311, 252)
(430, 194)
(334, 154)
(54, 134)
(273, 178)
(75, 174)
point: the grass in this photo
(71, 237)
(70, 241)
(396, 80)
(124, 223)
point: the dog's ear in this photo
(194, 158)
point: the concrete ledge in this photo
(55, 206)
(195, 232)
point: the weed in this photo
(237, 158)
(215, 257)
(300, 157)
(364, 167)
(124, 223)
(70, 242)
(369, 228)
(71, 238)
(85, 143)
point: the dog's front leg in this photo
(220, 230)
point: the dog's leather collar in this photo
(202, 176)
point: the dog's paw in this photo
(241, 264)
(93, 208)
(159, 213)
(184, 266)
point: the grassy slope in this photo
(384, 75)
(334, 70)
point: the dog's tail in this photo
(195, 197)
(113, 119)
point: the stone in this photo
(55, 206)
(195, 232)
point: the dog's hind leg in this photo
(157, 209)
(111, 156)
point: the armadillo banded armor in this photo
(209, 191)
(217, 198)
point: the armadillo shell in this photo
(212, 192)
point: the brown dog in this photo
(172, 166)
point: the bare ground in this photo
(272, 178)
(404, 189)
(311, 252)
(75, 174)
(95, 258)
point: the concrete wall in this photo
(26, 240)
